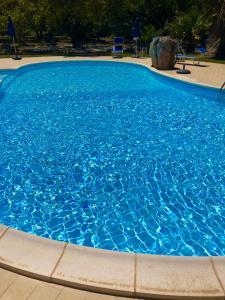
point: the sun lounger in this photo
(201, 50)
(182, 57)
(117, 50)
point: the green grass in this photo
(212, 60)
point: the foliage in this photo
(191, 28)
(193, 21)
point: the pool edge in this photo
(108, 59)
(111, 272)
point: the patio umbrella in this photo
(136, 32)
(12, 33)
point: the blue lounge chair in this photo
(118, 47)
(201, 50)
(181, 56)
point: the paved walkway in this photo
(207, 73)
(18, 287)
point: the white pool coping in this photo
(110, 272)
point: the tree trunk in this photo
(216, 41)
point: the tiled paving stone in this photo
(45, 291)
(69, 294)
(18, 287)
(6, 279)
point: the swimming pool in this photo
(112, 156)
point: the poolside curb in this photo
(26, 62)
(110, 272)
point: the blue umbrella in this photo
(10, 28)
(11, 32)
(136, 32)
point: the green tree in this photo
(194, 21)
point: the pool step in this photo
(221, 95)
(2, 77)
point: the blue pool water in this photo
(111, 156)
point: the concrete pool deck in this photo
(210, 74)
(65, 270)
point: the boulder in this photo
(163, 53)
